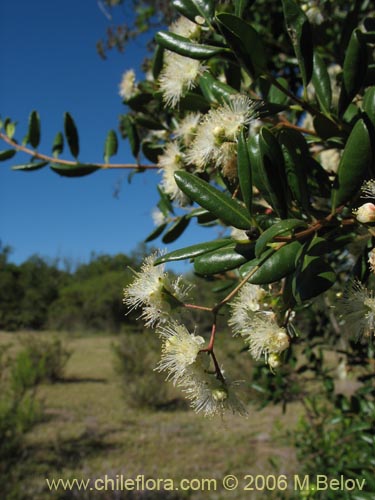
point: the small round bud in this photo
(365, 213)
(274, 361)
(220, 394)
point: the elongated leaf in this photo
(322, 83)
(157, 61)
(185, 47)
(111, 145)
(33, 133)
(277, 96)
(165, 203)
(152, 151)
(29, 167)
(267, 166)
(176, 230)
(296, 154)
(7, 154)
(369, 104)
(274, 265)
(156, 232)
(280, 228)
(223, 259)
(313, 277)
(77, 170)
(214, 90)
(355, 161)
(244, 171)
(71, 134)
(58, 145)
(229, 211)
(245, 42)
(193, 251)
(131, 133)
(193, 8)
(354, 70)
(241, 5)
(300, 33)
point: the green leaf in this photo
(296, 154)
(280, 228)
(111, 145)
(322, 83)
(223, 259)
(193, 8)
(29, 167)
(127, 123)
(58, 145)
(277, 96)
(228, 210)
(244, 41)
(193, 251)
(176, 230)
(148, 122)
(156, 232)
(241, 5)
(157, 61)
(300, 33)
(355, 161)
(10, 128)
(267, 166)
(244, 171)
(152, 151)
(7, 154)
(77, 170)
(33, 134)
(194, 102)
(354, 70)
(71, 134)
(185, 47)
(369, 104)
(165, 203)
(274, 265)
(215, 91)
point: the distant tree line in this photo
(49, 294)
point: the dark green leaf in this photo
(354, 70)
(176, 230)
(33, 133)
(164, 204)
(194, 102)
(193, 8)
(267, 167)
(300, 33)
(215, 91)
(156, 232)
(223, 259)
(111, 145)
(152, 151)
(369, 104)
(322, 83)
(185, 47)
(157, 61)
(193, 251)
(296, 153)
(29, 167)
(58, 145)
(228, 210)
(148, 122)
(355, 161)
(277, 96)
(274, 265)
(77, 170)
(127, 123)
(280, 228)
(244, 171)
(7, 154)
(241, 5)
(71, 134)
(245, 42)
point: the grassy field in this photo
(89, 430)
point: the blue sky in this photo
(49, 63)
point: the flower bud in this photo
(274, 361)
(365, 213)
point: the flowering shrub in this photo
(259, 117)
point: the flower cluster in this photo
(359, 310)
(257, 327)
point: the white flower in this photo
(187, 127)
(365, 213)
(186, 28)
(359, 310)
(180, 349)
(178, 76)
(127, 86)
(238, 234)
(311, 8)
(212, 395)
(243, 307)
(265, 336)
(158, 217)
(368, 189)
(218, 130)
(155, 292)
(169, 162)
(330, 159)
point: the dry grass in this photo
(90, 431)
